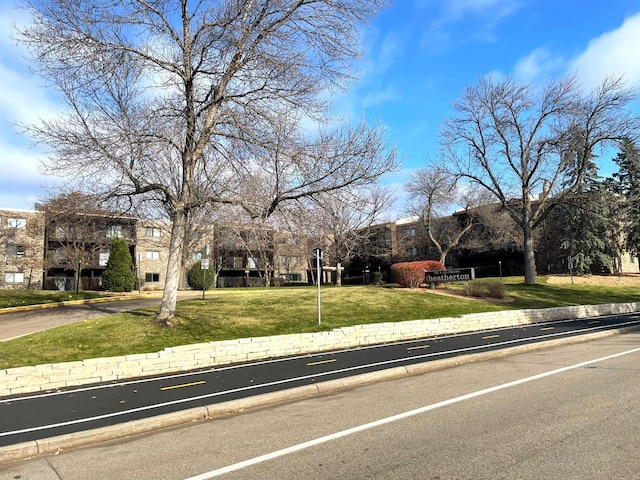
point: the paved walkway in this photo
(36, 318)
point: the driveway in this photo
(35, 319)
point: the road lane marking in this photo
(183, 385)
(395, 418)
(221, 368)
(322, 362)
(490, 336)
(281, 382)
(418, 347)
(547, 328)
(592, 322)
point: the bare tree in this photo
(185, 103)
(340, 222)
(434, 195)
(529, 147)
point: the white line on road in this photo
(221, 368)
(401, 416)
(285, 381)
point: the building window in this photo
(61, 232)
(15, 250)
(151, 277)
(152, 232)
(103, 258)
(152, 255)
(289, 261)
(16, 222)
(196, 256)
(411, 232)
(14, 277)
(114, 231)
(387, 239)
(412, 252)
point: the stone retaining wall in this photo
(21, 380)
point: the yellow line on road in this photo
(183, 385)
(490, 336)
(419, 347)
(320, 363)
(546, 328)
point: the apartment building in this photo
(69, 251)
(493, 246)
(76, 247)
(22, 258)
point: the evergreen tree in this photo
(195, 278)
(587, 225)
(119, 276)
(627, 185)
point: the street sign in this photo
(205, 264)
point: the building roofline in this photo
(20, 210)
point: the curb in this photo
(55, 445)
(43, 306)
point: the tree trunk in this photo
(77, 278)
(443, 257)
(172, 278)
(529, 257)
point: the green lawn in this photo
(237, 313)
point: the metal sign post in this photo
(570, 265)
(318, 255)
(204, 265)
(139, 273)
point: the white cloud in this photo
(538, 65)
(613, 53)
(482, 17)
(496, 8)
(381, 96)
(22, 100)
(380, 56)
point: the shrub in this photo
(119, 275)
(195, 278)
(487, 288)
(411, 274)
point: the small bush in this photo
(411, 274)
(487, 288)
(195, 277)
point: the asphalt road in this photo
(33, 417)
(568, 413)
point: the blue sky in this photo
(419, 55)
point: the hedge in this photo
(411, 274)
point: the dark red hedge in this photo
(411, 274)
